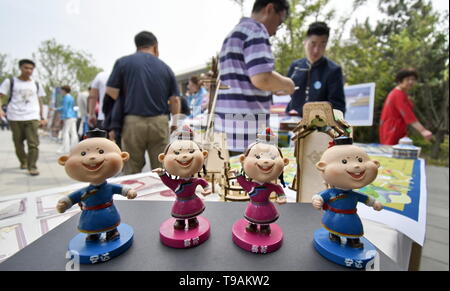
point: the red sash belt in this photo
(98, 207)
(342, 211)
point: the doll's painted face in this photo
(263, 163)
(347, 167)
(94, 160)
(183, 158)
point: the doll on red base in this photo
(263, 163)
(183, 158)
(94, 160)
(344, 167)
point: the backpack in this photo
(11, 87)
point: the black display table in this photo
(219, 253)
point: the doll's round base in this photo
(341, 253)
(257, 242)
(101, 251)
(187, 238)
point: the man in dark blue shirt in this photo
(318, 78)
(150, 93)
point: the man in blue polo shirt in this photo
(318, 78)
(147, 86)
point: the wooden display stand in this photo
(214, 142)
(232, 191)
(312, 136)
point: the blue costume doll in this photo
(94, 160)
(345, 167)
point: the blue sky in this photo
(189, 32)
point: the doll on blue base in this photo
(94, 160)
(345, 167)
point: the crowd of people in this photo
(134, 101)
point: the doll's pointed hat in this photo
(267, 136)
(96, 133)
(185, 133)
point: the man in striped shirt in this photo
(247, 67)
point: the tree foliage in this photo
(59, 65)
(241, 5)
(409, 34)
(8, 68)
(288, 45)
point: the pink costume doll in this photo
(263, 163)
(183, 158)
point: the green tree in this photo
(3, 65)
(241, 5)
(411, 34)
(58, 65)
(7, 69)
(288, 44)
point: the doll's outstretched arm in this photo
(63, 204)
(281, 196)
(317, 202)
(68, 201)
(205, 185)
(245, 184)
(125, 191)
(169, 182)
(370, 201)
(129, 192)
(376, 205)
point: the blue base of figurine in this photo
(342, 254)
(101, 251)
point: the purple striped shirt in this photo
(246, 52)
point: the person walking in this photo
(198, 98)
(25, 114)
(150, 93)
(96, 97)
(69, 118)
(82, 121)
(398, 111)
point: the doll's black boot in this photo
(334, 238)
(179, 224)
(354, 243)
(251, 227)
(192, 223)
(265, 229)
(112, 235)
(93, 237)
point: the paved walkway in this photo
(15, 181)
(435, 254)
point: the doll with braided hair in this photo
(263, 163)
(183, 158)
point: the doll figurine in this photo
(183, 158)
(94, 160)
(263, 163)
(344, 167)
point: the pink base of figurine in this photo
(256, 242)
(182, 239)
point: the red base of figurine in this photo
(182, 239)
(257, 242)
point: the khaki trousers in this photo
(142, 134)
(26, 130)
